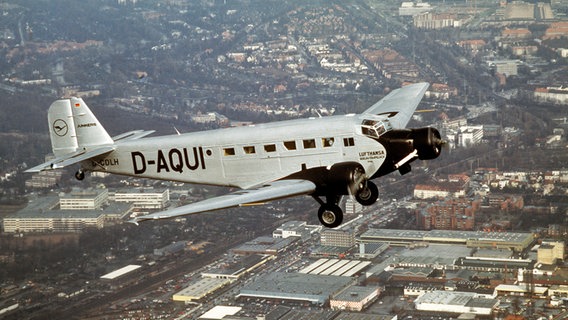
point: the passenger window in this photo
(290, 145)
(327, 142)
(270, 147)
(249, 150)
(348, 142)
(309, 143)
(229, 151)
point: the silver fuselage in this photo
(246, 156)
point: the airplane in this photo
(325, 158)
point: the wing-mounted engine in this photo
(406, 145)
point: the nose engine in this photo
(406, 145)
(428, 142)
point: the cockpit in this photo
(374, 128)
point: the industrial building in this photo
(520, 290)
(264, 245)
(335, 267)
(295, 228)
(371, 250)
(122, 276)
(237, 268)
(200, 289)
(354, 298)
(472, 239)
(455, 302)
(316, 289)
(493, 264)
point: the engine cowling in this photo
(345, 176)
(427, 142)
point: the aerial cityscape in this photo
(478, 233)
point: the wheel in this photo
(330, 215)
(80, 175)
(368, 195)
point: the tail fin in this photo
(89, 130)
(74, 126)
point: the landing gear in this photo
(367, 195)
(330, 215)
(80, 175)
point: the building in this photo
(354, 298)
(335, 267)
(550, 252)
(337, 238)
(449, 214)
(44, 179)
(558, 291)
(315, 289)
(469, 136)
(371, 250)
(504, 67)
(293, 228)
(171, 249)
(143, 198)
(34, 219)
(439, 190)
(352, 207)
(473, 239)
(238, 267)
(456, 302)
(200, 289)
(408, 8)
(214, 117)
(520, 290)
(83, 199)
(429, 20)
(264, 245)
(122, 276)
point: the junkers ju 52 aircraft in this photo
(325, 157)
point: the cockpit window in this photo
(374, 128)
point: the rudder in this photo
(89, 130)
(62, 128)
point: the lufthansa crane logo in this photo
(60, 127)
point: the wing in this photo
(400, 104)
(267, 192)
(71, 158)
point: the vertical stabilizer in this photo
(89, 130)
(62, 128)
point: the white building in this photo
(354, 298)
(294, 228)
(455, 302)
(408, 8)
(470, 135)
(143, 198)
(89, 199)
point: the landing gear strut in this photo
(80, 175)
(330, 214)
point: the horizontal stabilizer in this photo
(267, 192)
(132, 135)
(71, 158)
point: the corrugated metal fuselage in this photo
(246, 156)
